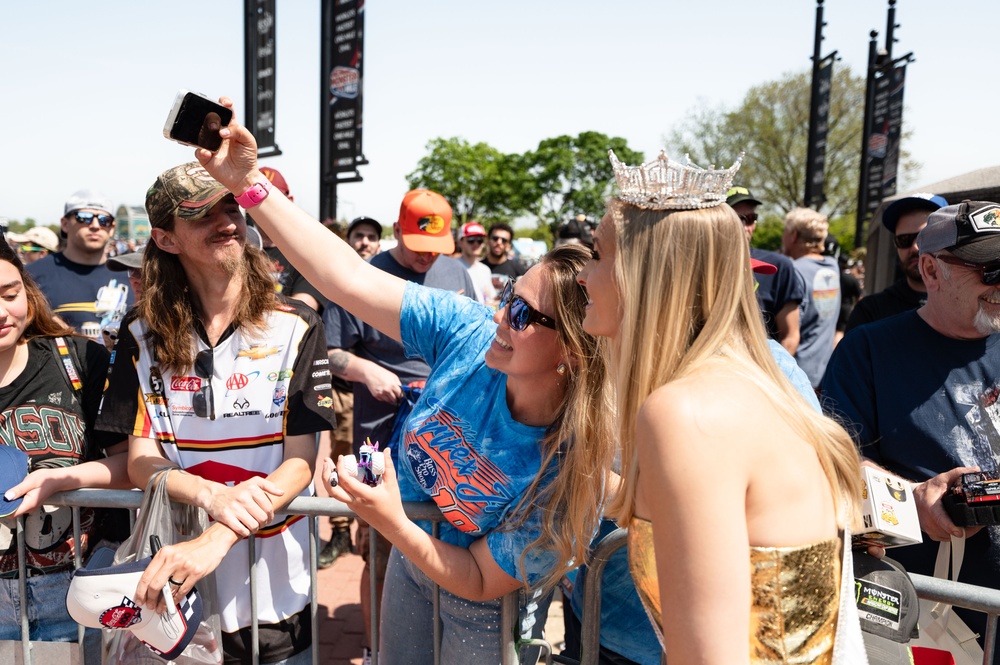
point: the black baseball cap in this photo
(919, 201)
(739, 195)
(364, 220)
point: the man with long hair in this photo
(216, 374)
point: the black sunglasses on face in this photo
(478, 240)
(748, 219)
(904, 240)
(88, 218)
(500, 239)
(989, 273)
(203, 400)
(520, 314)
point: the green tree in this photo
(573, 175)
(479, 181)
(771, 125)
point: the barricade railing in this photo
(313, 507)
(967, 596)
(958, 594)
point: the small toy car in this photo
(974, 500)
(371, 465)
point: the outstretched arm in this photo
(326, 261)
(470, 573)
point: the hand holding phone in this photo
(195, 120)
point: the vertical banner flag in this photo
(261, 75)
(891, 166)
(878, 141)
(817, 141)
(345, 85)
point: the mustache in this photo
(227, 236)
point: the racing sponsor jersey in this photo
(263, 386)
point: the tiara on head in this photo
(666, 185)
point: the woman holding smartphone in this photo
(490, 440)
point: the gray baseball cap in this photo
(970, 230)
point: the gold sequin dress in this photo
(796, 595)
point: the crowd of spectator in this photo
(238, 339)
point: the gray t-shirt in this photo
(346, 331)
(817, 315)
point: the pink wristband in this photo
(255, 195)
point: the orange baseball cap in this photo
(425, 222)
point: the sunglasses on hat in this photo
(520, 314)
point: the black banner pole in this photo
(260, 73)
(814, 190)
(327, 177)
(859, 223)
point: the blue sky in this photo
(87, 85)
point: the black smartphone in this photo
(195, 120)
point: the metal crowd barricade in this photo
(955, 593)
(313, 507)
(980, 599)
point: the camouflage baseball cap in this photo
(187, 191)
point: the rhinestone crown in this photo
(662, 184)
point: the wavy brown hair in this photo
(578, 448)
(169, 312)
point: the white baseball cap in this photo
(102, 596)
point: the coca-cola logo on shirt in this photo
(187, 384)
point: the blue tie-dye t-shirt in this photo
(460, 446)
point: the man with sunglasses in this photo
(778, 294)
(376, 364)
(471, 237)
(918, 390)
(497, 255)
(72, 279)
(904, 218)
(216, 374)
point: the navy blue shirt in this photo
(72, 289)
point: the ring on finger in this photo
(175, 582)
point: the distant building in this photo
(132, 223)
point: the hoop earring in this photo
(561, 369)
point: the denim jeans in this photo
(470, 630)
(48, 618)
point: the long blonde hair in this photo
(687, 299)
(578, 448)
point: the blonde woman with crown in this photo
(737, 493)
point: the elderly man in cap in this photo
(72, 280)
(919, 390)
(904, 218)
(217, 375)
(376, 364)
(778, 294)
